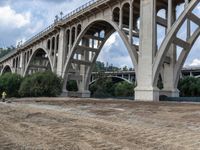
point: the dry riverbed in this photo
(92, 124)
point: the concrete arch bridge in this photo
(71, 45)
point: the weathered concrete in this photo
(71, 45)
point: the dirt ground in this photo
(92, 124)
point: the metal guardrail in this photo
(66, 17)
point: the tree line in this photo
(41, 84)
(47, 84)
(5, 51)
(102, 67)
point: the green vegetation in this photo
(4, 52)
(101, 67)
(72, 86)
(41, 84)
(36, 85)
(124, 89)
(48, 84)
(10, 83)
(189, 87)
(105, 87)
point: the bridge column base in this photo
(170, 93)
(84, 94)
(64, 93)
(151, 94)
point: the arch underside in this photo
(39, 62)
(86, 49)
(119, 79)
(6, 69)
(172, 39)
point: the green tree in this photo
(72, 85)
(4, 52)
(103, 87)
(106, 87)
(189, 86)
(10, 83)
(125, 68)
(124, 89)
(41, 84)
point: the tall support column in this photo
(83, 89)
(169, 88)
(61, 51)
(22, 63)
(54, 57)
(121, 17)
(70, 40)
(50, 52)
(188, 22)
(131, 23)
(145, 89)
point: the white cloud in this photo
(10, 18)
(195, 63)
(111, 40)
(37, 27)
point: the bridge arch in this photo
(116, 14)
(115, 77)
(171, 38)
(43, 55)
(111, 28)
(6, 69)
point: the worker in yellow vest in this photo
(4, 96)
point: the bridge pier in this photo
(61, 51)
(169, 77)
(146, 90)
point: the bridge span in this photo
(71, 45)
(130, 76)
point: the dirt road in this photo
(82, 124)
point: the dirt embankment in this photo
(82, 124)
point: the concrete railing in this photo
(67, 17)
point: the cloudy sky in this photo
(21, 19)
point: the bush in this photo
(124, 89)
(105, 87)
(41, 84)
(72, 86)
(189, 86)
(10, 83)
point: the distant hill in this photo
(4, 52)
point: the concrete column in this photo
(169, 78)
(54, 56)
(131, 24)
(61, 51)
(70, 40)
(22, 63)
(145, 89)
(188, 22)
(121, 17)
(191, 74)
(83, 89)
(50, 53)
(129, 77)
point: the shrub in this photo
(41, 84)
(124, 89)
(105, 87)
(189, 86)
(72, 86)
(10, 83)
